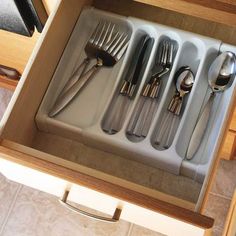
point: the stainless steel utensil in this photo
(220, 77)
(92, 47)
(112, 47)
(115, 118)
(184, 81)
(145, 109)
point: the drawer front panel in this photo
(98, 201)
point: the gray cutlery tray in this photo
(82, 119)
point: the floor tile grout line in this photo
(218, 227)
(130, 229)
(10, 209)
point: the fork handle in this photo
(76, 75)
(69, 95)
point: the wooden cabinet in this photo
(20, 157)
(222, 11)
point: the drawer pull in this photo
(113, 219)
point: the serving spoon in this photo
(220, 77)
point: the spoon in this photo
(184, 81)
(220, 77)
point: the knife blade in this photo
(199, 129)
(132, 75)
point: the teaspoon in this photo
(184, 80)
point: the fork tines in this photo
(167, 52)
(107, 37)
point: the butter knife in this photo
(200, 129)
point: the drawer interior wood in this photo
(12, 53)
(20, 131)
(225, 33)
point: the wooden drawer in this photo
(23, 145)
(107, 204)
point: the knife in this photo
(128, 89)
(139, 60)
(199, 129)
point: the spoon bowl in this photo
(220, 77)
(222, 72)
(184, 80)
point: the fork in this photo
(111, 47)
(147, 105)
(92, 46)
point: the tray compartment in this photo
(197, 167)
(190, 56)
(86, 107)
(200, 93)
(118, 99)
(142, 101)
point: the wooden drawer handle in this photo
(113, 219)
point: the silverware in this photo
(93, 45)
(145, 109)
(111, 47)
(220, 77)
(184, 81)
(115, 118)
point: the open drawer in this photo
(153, 190)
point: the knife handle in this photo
(135, 116)
(200, 128)
(161, 133)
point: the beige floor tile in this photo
(39, 214)
(140, 231)
(8, 190)
(217, 232)
(225, 182)
(217, 208)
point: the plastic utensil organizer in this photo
(83, 118)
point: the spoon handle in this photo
(71, 93)
(76, 75)
(199, 129)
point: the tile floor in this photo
(28, 212)
(220, 195)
